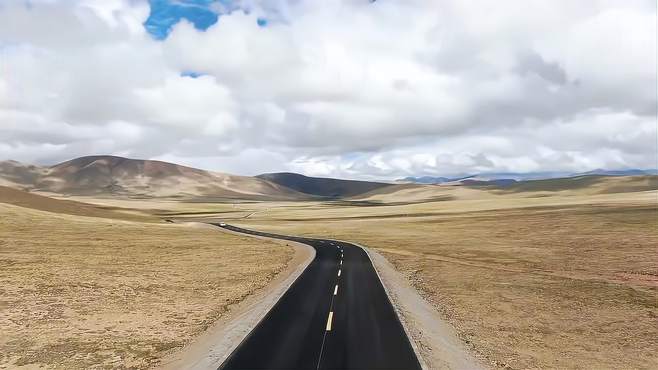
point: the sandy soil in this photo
(82, 292)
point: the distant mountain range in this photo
(502, 178)
(426, 180)
(105, 175)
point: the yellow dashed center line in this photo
(331, 317)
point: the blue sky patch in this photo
(166, 13)
(202, 13)
(191, 74)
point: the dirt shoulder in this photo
(432, 337)
(209, 350)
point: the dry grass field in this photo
(559, 281)
(70, 207)
(82, 292)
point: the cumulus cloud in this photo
(336, 88)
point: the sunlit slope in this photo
(110, 175)
(582, 185)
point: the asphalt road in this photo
(336, 315)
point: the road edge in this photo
(435, 342)
(398, 312)
(210, 349)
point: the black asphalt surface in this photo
(365, 332)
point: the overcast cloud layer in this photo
(340, 88)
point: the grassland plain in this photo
(552, 281)
(89, 292)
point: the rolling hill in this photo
(486, 189)
(586, 184)
(42, 203)
(117, 176)
(323, 187)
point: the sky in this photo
(345, 88)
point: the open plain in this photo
(91, 292)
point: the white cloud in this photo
(336, 88)
(186, 103)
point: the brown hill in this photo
(111, 175)
(17, 175)
(581, 185)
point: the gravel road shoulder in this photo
(211, 348)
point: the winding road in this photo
(336, 315)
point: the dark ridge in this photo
(320, 186)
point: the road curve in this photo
(336, 315)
